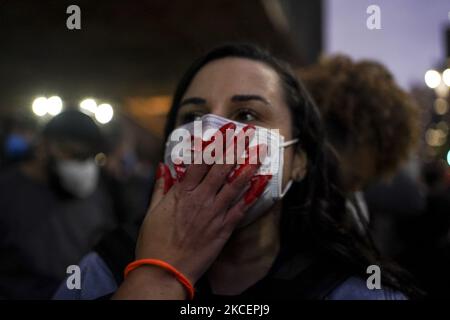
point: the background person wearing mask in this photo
(52, 210)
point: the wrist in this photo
(168, 268)
(181, 264)
(151, 282)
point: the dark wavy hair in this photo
(314, 218)
(362, 105)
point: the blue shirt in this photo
(97, 281)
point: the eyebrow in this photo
(249, 97)
(235, 98)
(194, 100)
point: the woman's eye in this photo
(245, 116)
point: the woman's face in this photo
(242, 90)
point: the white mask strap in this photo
(289, 184)
(286, 189)
(289, 143)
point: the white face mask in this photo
(272, 164)
(79, 178)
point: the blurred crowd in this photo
(403, 200)
(67, 183)
(63, 186)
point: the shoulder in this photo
(97, 281)
(355, 288)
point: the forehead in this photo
(230, 76)
(67, 147)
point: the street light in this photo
(432, 79)
(40, 106)
(446, 77)
(104, 113)
(89, 105)
(54, 105)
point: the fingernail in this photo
(223, 130)
(248, 127)
(230, 125)
(238, 171)
(168, 180)
(159, 171)
(247, 141)
(180, 170)
(206, 143)
(257, 186)
(256, 154)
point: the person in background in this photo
(372, 124)
(52, 208)
(128, 181)
(370, 121)
(427, 255)
(17, 134)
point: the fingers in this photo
(257, 186)
(180, 171)
(232, 189)
(163, 183)
(215, 178)
(191, 177)
(243, 138)
(239, 180)
(235, 214)
(219, 172)
(256, 154)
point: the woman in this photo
(300, 247)
(374, 126)
(372, 123)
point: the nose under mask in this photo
(272, 165)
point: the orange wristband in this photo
(155, 262)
